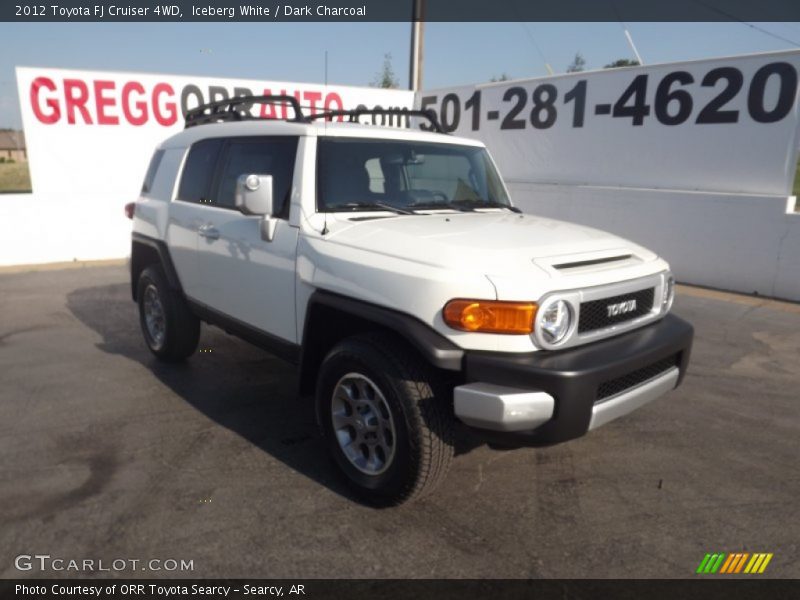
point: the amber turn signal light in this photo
(490, 316)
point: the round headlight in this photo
(554, 321)
(669, 293)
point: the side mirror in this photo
(254, 197)
(254, 194)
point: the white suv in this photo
(390, 265)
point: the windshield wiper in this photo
(379, 205)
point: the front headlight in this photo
(669, 293)
(554, 321)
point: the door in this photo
(242, 275)
(186, 212)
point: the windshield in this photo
(363, 174)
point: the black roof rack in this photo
(356, 113)
(238, 109)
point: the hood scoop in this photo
(578, 264)
(593, 262)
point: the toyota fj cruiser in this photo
(390, 265)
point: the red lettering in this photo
(139, 118)
(130, 102)
(268, 110)
(312, 98)
(73, 101)
(171, 108)
(102, 102)
(333, 98)
(55, 113)
(284, 107)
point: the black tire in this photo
(181, 329)
(421, 415)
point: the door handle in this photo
(209, 232)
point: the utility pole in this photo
(417, 44)
(633, 47)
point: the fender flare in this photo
(432, 345)
(164, 258)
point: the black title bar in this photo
(700, 588)
(399, 10)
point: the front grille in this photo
(594, 314)
(620, 384)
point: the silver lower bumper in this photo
(629, 400)
(500, 408)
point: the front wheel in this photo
(387, 420)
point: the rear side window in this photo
(198, 172)
(150, 176)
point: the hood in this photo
(492, 242)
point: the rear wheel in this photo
(387, 419)
(170, 330)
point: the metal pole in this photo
(417, 44)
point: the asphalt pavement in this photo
(108, 454)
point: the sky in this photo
(454, 53)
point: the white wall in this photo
(738, 242)
(45, 228)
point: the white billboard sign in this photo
(93, 132)
(721, 125)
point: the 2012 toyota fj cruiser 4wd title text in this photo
(391, 266)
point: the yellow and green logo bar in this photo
(735, 562)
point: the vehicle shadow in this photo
(237, 385)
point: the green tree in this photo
(578, 64)
(386, 77)
(622, 62)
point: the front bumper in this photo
(556, 396)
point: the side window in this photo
(260, 156)
(150, 176)
(198, 172)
